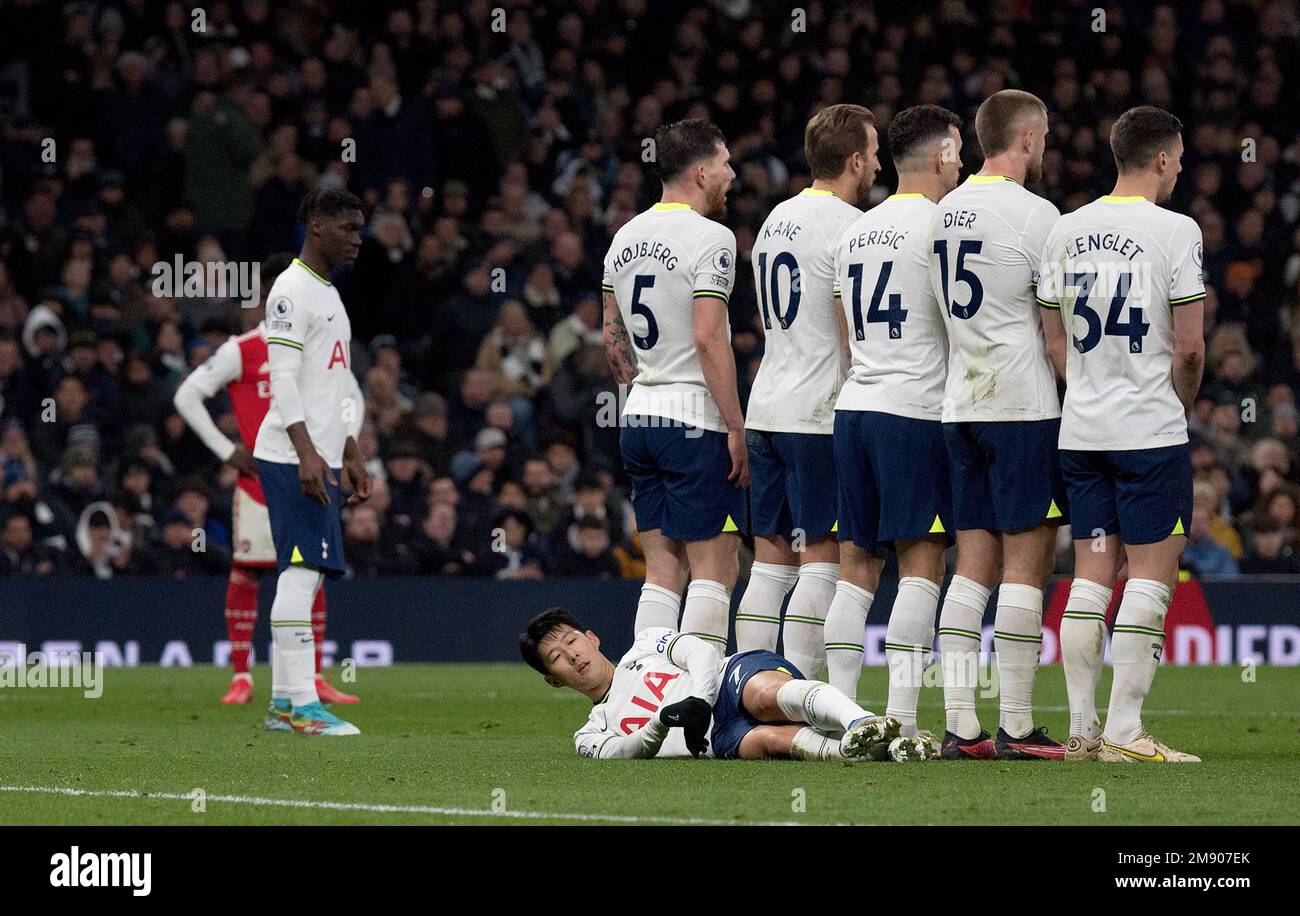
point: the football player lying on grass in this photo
(664, 694)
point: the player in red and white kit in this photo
(240, 366)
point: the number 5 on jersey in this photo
(642, 282)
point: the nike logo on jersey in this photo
(330, 318)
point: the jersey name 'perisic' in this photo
(896, 336)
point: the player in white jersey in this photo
(1001, 421)
(667, 278)
(891, 462)
(240, 367)
(1122, 278)
(791, 415)
(671, 695)
(305, 446)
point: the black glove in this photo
(692, 715)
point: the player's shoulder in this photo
(838, 215)
(628, 230)
(1175, 223)
(710, 231)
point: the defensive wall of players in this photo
(149, 621)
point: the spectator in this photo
(468, 408)
(593, 557)
(544, 501)
(180, 555)
(13, 307)
(515, 552)
(1204, 556)
(468, 316)
(20, 555)
(105, 551)
(438, 549)
(75, 486)
(408, 481)
(192, 500)
(514, 355)
(590, 500)
(1272, 551)
(563, 459)
(369, 549)
(581, 328)
(1207, 498)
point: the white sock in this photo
(1083, 646)
(1135, 648)
(758, 618)
(657, 607)
(1017, 638)
(811, 744)
(293, 668)
(803, 633)
(846, 623)
(819, 704)
(959, 650)
(908, 640)
(707, 613)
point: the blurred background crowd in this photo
(498, 147)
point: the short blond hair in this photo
(1001, 117)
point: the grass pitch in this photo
(490, 744)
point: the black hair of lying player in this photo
(540, 627)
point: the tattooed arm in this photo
(618, 344)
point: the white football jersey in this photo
(794, 275)
(987, 237)
(1117, 268)
(896, 333)
(305, 318)
(652, 674)
(659, 263)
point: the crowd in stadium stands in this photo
(495, 166)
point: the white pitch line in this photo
(398, 809)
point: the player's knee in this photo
(762, 696)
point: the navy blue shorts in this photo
(1006, 476)
(893, 478)
(1144, 495)
(731, 723)
(791, 483)
(679, 480)
(305, 532)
